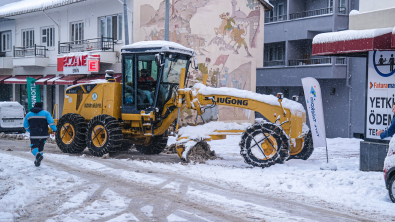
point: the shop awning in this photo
(92, 79)
(52, 81)
(19, 79)
(353, 42)
(44, 80)
(2, 78)
(69, 80)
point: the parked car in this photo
(11, 117)
(389, 170)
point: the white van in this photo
(11, 117)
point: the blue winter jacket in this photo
(390, 131)
(36, 122)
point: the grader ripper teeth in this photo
(110, 116)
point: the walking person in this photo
(36, 122)
(391, 129)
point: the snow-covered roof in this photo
(350, 35)
(159, 46)
(4, 104)
(28, 6)
(293, 106)
(267, 4)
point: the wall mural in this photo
(226, 35)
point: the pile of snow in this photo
(202, 131)
(350, 35)
(28, 6)
(163, 45)
(354, 12)
(295, 107)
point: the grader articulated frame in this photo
(110, 116)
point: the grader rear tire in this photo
(308, 148)
(70, 133)
(156, 146)
(264, 144)
(104, 135)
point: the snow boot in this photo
(39, 158)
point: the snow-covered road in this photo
(86, 188)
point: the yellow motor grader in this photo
(110, 116)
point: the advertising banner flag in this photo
(313, 96)
(380, 90)
(33, 92)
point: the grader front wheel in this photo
(264, 144)
(104, 135)
(307, 150)
(70, 133)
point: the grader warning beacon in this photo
(111, 116)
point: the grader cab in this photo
(110, 116)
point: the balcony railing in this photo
(342, 10)
(103, 44)
(36, 51)
(275, 18)
(274, 63)
(341, 61)
(316, 12)
(311, 61)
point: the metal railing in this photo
(36, 50)
(341, 61)
(275, 18)
(342, 10)
(316, 12)
(311, 61)
(102, 43)
(274, 63)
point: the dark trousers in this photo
(37, 144)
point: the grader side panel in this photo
(90, 100)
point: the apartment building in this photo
(289, 30)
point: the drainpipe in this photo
(126, 20)
(167, 20)
(349, 96)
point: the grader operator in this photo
(110, 116)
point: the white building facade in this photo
(37, 44)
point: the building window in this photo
(280, 12)
(48, 36)
(28, 38)
(5, 41)
(111, 26)
(77, 32)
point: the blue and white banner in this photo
(380, 92)
(313, 96)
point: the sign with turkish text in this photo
(33, 92)
(380, 92)
(313, 96)
(79, 63)
(93, 65)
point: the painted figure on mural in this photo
(237, 34)
(224, 82)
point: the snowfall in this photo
(348, 187)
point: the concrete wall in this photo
(335, 106)
(369, 5)
(358, 92)
(373, 19)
